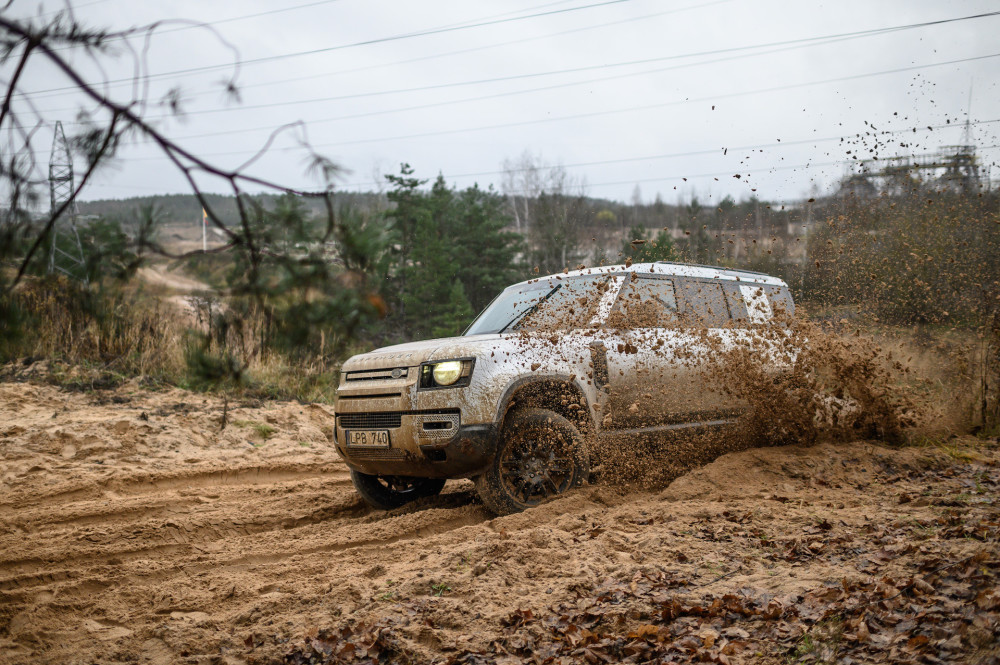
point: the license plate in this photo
(368, 438)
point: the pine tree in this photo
(641, 250)
(455, 315)
(446, 238)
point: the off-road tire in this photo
(388, 492)
(541, 454)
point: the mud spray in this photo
(798, 378)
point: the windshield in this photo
(549, 303)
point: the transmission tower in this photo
(66, 251)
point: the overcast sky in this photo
(626, 94)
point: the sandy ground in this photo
(158, 274)
(134, 529)
(181, 286)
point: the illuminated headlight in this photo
(446, 374)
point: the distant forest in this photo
(180, 208)
(592, 228)
(910, 249)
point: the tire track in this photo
(421, 532)
(28, 577)
(46, 522)
(257, 475)
(175, 535)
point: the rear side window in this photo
(781, 300)
(703, 304)
(757, 303)
(737, 308)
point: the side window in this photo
(704, 304)
(573, 303)
(647, 301)
(781, 300)
(737, 306)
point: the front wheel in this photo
(541, 454)
(388, 492)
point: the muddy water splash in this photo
(801, 383)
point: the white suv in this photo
(521, 401)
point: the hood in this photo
(412, 354)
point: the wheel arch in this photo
(555, 392)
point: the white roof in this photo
(679, 269)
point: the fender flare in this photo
(524, 381)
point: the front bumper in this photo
(427, 444)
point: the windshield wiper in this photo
(529, 310)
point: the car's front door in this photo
(661, 389)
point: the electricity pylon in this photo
(66, 251)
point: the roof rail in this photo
(703, 265)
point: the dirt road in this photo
(134, 529)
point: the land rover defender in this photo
(520, 400)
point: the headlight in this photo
(446, 374)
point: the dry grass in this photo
(116, 330)
(102, 337)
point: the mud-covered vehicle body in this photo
(552, 366)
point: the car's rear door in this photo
(707, 316)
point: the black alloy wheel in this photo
(542, 455)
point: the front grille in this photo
(386, 374)
(376, 453)
(369, 420)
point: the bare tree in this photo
(108, 123)
(523, 181)
(548, 206)
(636, 204)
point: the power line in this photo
(631, 109)
(244, 17)
(702, 152)
(56, 92)
(411, 35)
(682, 177)
(192, 25)
(509, 13)
(713, 151)
(509, 93)
(644, 61)
(73, 8)
(689, 176)
(777, 46)
(479, 98)
(367, 42)
(789, 45)
(728, 174)
(648, 107)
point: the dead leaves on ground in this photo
(360, 642)
(922, 587)
(948, 611)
